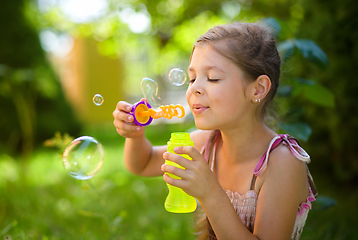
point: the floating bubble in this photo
(150, 91)
(177, 76)
(83, 157)
(98, 99)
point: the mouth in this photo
(198, 108)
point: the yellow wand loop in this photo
(143, 113)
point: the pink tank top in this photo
(245, 204)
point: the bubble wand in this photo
(144, 114)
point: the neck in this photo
(245, 144)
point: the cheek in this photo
(188, 95)
(230, 100)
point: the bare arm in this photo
(285, 187)
(140, 157)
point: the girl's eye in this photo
(209, 79)
(212, 80)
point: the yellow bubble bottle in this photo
(177, 200)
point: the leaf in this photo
(8, 227)
(312, 52)
(323, 203)
(274, 26)
(304, 81)
(295, 113)
(284, 91)
(318, 94)
(299, 130)
(286, 49)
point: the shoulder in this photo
(285, 170)
(284, 188)
(282, 156)
(282, 161)
(199, 137)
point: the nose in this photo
(196, 89)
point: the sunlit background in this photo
(55, 55)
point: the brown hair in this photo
(252, 48)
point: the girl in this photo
(251, 182)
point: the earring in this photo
(257, 100)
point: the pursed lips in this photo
(198, 108)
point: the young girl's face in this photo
(217, 92)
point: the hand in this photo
(197, 179)
(123, 121)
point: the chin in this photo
(204, 125)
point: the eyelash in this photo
(209, 79)
(213, 80)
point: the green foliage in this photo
(308, 48)
(333, 114)
(312, 52)
(59, 141)
(19, 40)
(40, 200)
(333, 142)
(31, 98)
(298, 129)
(297, 89)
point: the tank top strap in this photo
(253, 182)
(285, 139)
(213, 155)
(209, 148)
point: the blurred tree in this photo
(334, 25)
(32, 102)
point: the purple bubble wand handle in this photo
(139, 119)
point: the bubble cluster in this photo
(83, 157)
(98, 99)
(177, 76)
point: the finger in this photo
(178, 172)
(128, 128)
(123, 121)
(124, 106)
(182, 161)
(125, 126)
(190, 151)
(174, 182)
(122, 116)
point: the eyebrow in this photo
(191, 69)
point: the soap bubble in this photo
(177, 76)
(98, 99)
(150, 91)
(83, 157)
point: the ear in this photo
(261, 88)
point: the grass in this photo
(39, 200)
